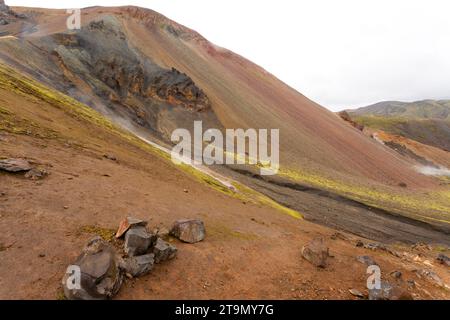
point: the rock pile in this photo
(102, 268)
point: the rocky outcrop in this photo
(3, 6)
(346, 117)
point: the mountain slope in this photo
(241, 94)
(425, 121)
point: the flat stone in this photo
(100, 274)
(15, 165)
(356, 293)
(137, 241)
(127, 223)
(140, 265)
(316, 252)
(163, 251)
(190, 231)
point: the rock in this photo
(389, 292)
(396, 274)
(316, 252)
(163, 251)
(443, 259)
(190, 231)
(431, 276)
(356, 293)
(127, 223)
(359, 244)
(36, 174)
(137, 241)
(140, 265)
(15, 165)
(101, 277)
(366, 260)
(3, 22)
(3, 6)
(110, 157)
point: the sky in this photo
(341, 54)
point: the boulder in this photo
(190, 231)
(431, 276)
(316, 252)
(137, 241)
(15, 165)
(128, 223)
(366, 260)
(163, 251)
(100, 278)
(389, 292)
(140, 265)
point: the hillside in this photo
(425, 121)
(80, 105)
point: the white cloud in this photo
(339, 53)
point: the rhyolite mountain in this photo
(426, 121)
(152, 75)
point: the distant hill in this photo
(426, 121)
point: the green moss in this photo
(430, 206)
(104, 233)
(223, 232)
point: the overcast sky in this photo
(345, 53)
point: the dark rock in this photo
(140, 265)
(338, 235)
(443, 259)
(163, 251)
(396, 274)
(101, 277)
(190, 231)
(15, 165)
(128, 223)
(110, 157)
(3, 22)
(137, 241)
(389, 292)
(316, 252)
(366, 260)
(359, 244)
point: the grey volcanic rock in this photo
(443, 259)
(316, 252)
(137, 241)
(140, 265)
(164, 251)
(190, 231)
(389, 292)
(15, 165)
(101, 277)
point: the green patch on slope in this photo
(31, 90)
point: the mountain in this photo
(426, 121)
(76, 103)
